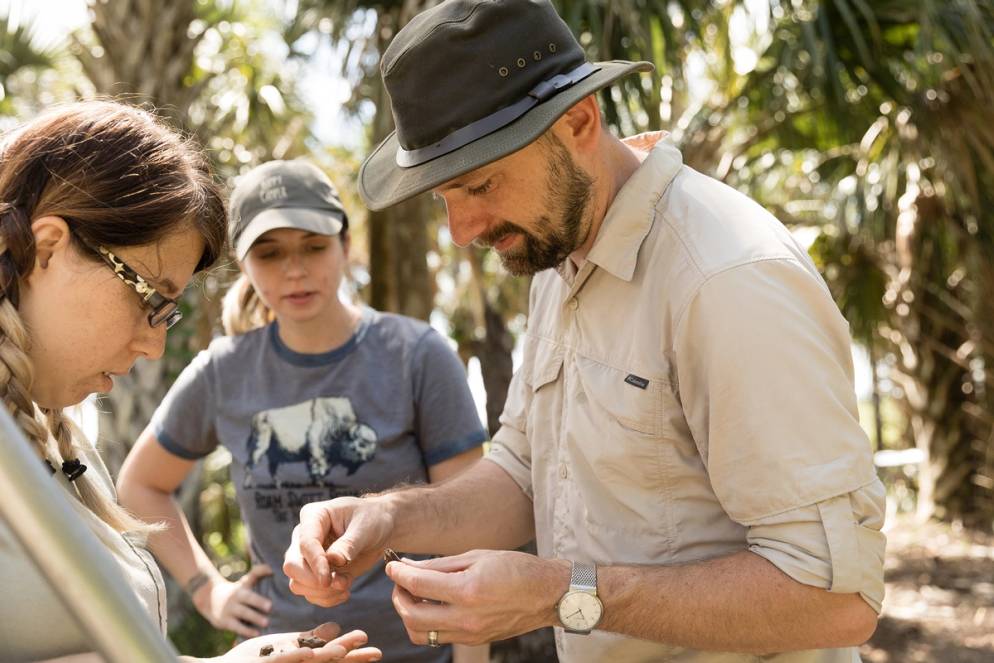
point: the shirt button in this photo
(573, 304)
(563, 473)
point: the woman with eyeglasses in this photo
(314, 397)
(105, 216)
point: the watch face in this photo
(580, 611)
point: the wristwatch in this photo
(579, 608)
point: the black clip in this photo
(73, 469)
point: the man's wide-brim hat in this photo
(470, 82)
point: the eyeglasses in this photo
(163, 309)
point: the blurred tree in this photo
(144, 51)
(18, 53)
(883, 136)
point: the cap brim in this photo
(316, 221)
(383, 183)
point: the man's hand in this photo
(479, 596)
(335, 542)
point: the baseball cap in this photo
(283, 194)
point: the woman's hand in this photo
(234, 606)
(349, 647)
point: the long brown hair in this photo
(119, 177)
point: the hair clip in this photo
(73, 469)
(48, 463)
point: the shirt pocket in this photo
(542, 362)
(541, 369)
(617, 449)
(631, 403)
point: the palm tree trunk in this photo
(398, 236)
(398, 246)
(495, 347)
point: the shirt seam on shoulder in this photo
(686, 247)
(421, 339)
(727, 268)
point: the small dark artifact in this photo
(311, 642)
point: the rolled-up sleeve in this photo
(509, 448)
(765, 374)
(835, 544)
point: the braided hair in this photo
(119, 177)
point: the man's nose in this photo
(465, 224)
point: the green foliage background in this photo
(865, 125)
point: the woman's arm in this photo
(148, 479)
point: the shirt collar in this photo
(631, 214)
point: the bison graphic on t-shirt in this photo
(322, 433)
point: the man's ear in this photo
(51, 237)
(581, 125)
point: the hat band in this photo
(494, 121)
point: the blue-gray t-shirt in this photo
(371, 414)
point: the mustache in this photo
(493, 235)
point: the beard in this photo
(562, 229)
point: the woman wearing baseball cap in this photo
(314, 397)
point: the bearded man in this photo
(682, 436)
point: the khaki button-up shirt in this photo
(687, 394)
